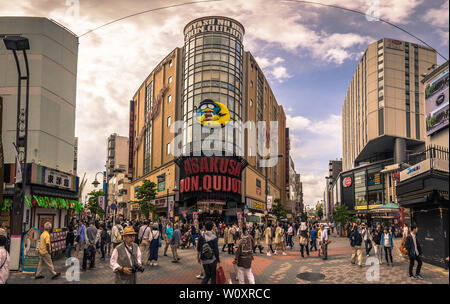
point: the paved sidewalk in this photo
(290, 269)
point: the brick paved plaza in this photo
(267, 270)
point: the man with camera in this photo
(126, 258)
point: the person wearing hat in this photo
(125, 257)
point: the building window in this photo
(168, 148)
(251, 102)
(169, 98)
(251, 83)
(408, 124)
(168, 121)
(170, 79)
(170, 63)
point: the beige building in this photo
(384, 105)
(211, 65)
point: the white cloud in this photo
(297, 123)
(273, 69)
(438, 16)
(280, 73)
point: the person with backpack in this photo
(144, 241)
(103, 240)
(155, 240)
(313, 235)
(414, 252)
(208, 254)
(355, 243)
(117, 234)
(303, 239)
(244, 257)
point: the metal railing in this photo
(432, 152)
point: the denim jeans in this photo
(411, 264)
(388, 253)
(368, 244)
(302, 249)
(210, 273)
(69, 250)
(89, 254)
(102, 249)
(313, 245)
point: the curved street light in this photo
(96, 183)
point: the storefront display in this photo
(58, 240)
(30, 250)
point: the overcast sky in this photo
(307, 52)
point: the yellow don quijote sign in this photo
(213, 114)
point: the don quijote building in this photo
(207, 129)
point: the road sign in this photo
(113, 206)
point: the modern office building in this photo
(51, 183)
(382, 122)
(117, 175)
(423, 186)
(210, 73)
(334, 169)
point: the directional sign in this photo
(113, 206)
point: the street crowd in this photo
(132, 246)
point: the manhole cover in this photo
(311, 276)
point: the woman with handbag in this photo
(388, 244)
(304, 236)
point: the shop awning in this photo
(387, 207)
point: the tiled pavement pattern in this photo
(267, 270)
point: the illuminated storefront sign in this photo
(211, 177)
(256, 205)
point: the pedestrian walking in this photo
(414, 252)
(355, 243)
(268, 237)
(208, 254)
(366, 238)
(313, 235)
(324, 240)
(174, 243)
(80, 238)
(279, 234)
(45, 259)
(144, 242)
(168, 236)
(225, 237)
(231, 236)
(108, 241)
(91, 237)
(4, 261)
(290, 235)
(4, 232)
(376, 237)
(70, 240)
(117, 234)
(155, 243)
(405, 232)
(258, 239)
(387, 244)
(304, 236)
(244, 257)
(126, 258)
(103, 240)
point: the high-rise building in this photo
(116, 155)
(51, 183)
(117, 175)
(383, 107)
(210, 73)
(382, 125)
(334, 169)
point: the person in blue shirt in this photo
(169, 233)
(313, 233)
(80, 238)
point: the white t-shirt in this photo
(386, 240)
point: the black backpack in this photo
(207, 252)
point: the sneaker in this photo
(367, 255)
(151, 263)
(418, 276)
(56, 275)
(175, 261)
(39, 277)
(412, 277)
(155, 264)
(268, 254)
(284, 253)
(200, 277)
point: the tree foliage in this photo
(319, 212)
(304, 216)
(93, 203)
(145, 194)
(278, 209)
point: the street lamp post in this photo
(96, 183)
(267, 187)
(16, 43)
